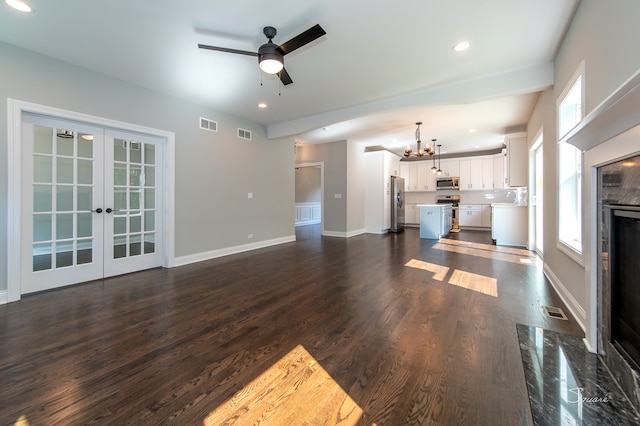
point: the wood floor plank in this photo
(384, 329)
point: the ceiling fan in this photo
(270, 56)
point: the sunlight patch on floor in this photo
(486, 251)
(22, 421)
(439, 272)
(470, 281)
(295, 390)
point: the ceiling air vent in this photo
(206, 124)
(244, 134)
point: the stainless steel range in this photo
(453, 200)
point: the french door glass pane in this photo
(42, 140)
(42, 169)
(64, 144)
(64, 198)
(64, 170)
(41, 257)
(149, 243)
(64, 254)
(42, 201)
(119, 247)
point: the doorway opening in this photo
(309, 200)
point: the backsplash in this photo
(466, 197)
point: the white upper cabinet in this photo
(418, 176)
(450, 168)
(476, 173)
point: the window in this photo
(570, 113)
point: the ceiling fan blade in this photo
(285, 78)
(301, 39)
(225, 49)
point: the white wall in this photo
(214, 171)
(605, 36)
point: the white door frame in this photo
(15, 109)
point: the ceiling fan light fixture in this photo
(270, 59)
(271, 66)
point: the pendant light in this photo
(434, 169)
(428, 150)
(439, 158)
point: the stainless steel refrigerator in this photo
(397, 204)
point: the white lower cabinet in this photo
(486, 215)
(411, 214)
(474, 216)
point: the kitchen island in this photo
(435, 220)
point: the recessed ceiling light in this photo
(462, 45)
(19, 5)
(477, 146)
(262, 105)
(472, 130)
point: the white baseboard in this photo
(199, 257)
(572, 304)
(4, 297)
(343, 234)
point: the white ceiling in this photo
(377, 71)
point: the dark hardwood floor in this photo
(173, 346)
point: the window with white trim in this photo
(570, 113)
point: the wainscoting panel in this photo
(308, 213)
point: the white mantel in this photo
(611, 132)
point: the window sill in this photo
(575, 255)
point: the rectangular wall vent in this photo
(244, 134)
(554, 312)
(207, 124)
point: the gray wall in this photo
(605, 35)
(355, 188)
(308, 185)
(214, 171)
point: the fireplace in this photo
(619, 272)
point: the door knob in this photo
(98, 210)
(109, 210)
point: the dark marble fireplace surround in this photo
(618, 185)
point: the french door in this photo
(91, 202)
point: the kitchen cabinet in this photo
(450, 168)
(476, 174)
(411, 214)
(486, 215)
(487, 173)
(470, 216)
(509, 225)
(499, 181)
(516, 165)
(418, 176)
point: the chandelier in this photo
(428, 149)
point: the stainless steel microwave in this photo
(447, 183)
